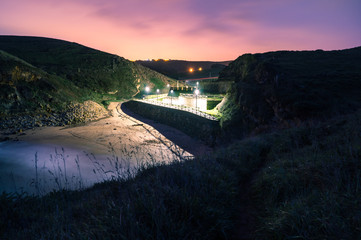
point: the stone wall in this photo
(189, 123)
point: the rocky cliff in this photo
(280, 89)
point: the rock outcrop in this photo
(75, 113)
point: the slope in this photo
(87, 68)
(285, 88)
(25, 88)
(179, 69)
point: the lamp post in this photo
(147, 89)
(171, 97)
(157, 94)
(196, 92)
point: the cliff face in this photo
(25, 88)
(286, 87)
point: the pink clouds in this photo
(188, 29)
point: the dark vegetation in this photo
(293, 173)
(283, 89)
(27, 88)
(50, 71)
(179, 69)
(301, 183)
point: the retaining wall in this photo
(191, 124)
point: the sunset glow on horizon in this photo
(214, 30)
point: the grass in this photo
(183, 200)
(27, 88)
(301, 183)
(41, 70)
(311, 190)
(286, 87)
(214, 112)
(308, 185)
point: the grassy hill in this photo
(285, 88)
(92, 73)
(25, 87)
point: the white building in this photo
(189, 100)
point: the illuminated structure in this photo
(186, 96)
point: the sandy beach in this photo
(90, 152)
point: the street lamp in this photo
(196, 92)
(147, 89)
(171, 97)
(157, 94)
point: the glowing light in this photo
(157, 90)
(191, 70)
(168, 85)
(147, 89)
(196, 91)
(200, 69)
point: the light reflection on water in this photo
(40, 168)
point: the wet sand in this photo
(89, 153)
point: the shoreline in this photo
(97, 143)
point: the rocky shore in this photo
(73, 114)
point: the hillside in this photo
(285, 88)
(179, 69)
(89, 69)
(50, 82)
(28, 88)
(42, 80)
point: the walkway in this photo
(179, 107)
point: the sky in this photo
(214, 30)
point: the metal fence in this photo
(179, 107)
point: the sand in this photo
(97, 145)
(121, 130)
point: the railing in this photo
(179, 107)
(155, 96)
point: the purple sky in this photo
(188, 29)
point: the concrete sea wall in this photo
(191, 124)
